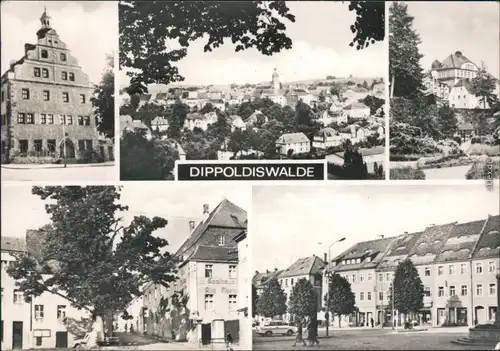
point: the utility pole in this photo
(328, 285)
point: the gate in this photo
(232, 327)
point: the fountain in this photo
(485, 334)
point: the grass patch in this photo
(405, 173)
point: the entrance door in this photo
(480, 315)
(369, 317)
(111, 156)
(441, 314)
(62, 339)
(17, 335)
(68, 148)
(206, 334)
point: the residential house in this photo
(370, 157)
(236, 123)
(244, 300)
(326, 138)
(132, 125)
(293, 143)
(257, 118)
(357, 110)
(160, 124)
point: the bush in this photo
(484, 149)
(397, 157)
(32, 160)
(406, 173)
(484, 170)
(89, 156)
(458, 140)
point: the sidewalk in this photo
(50, 165)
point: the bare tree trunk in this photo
(392, 87)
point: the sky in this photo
(178, 203)
(449, 26)
(290, 222)
(321, 36)
(89, 28)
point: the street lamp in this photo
(328, 284)
(64, 140)
(392, 309)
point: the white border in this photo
(117, 97)
(387, 95)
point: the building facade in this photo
(293, 143)
(244, 301)
(46, 104)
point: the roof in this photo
(356, 105)
(159, 121)
(291, 138)
(430, 243)
(466, 84)
(327, 132)
(161, 96)
(374, 248)
(214, 253)
(377, 150)
(261, 278)
(304, 266)
(455, 60)
(489, 243)
(461, 241)
(226, 215)
(13, 244)
(193, 116)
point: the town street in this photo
(73, 172)
(369, 339)
(458, 172)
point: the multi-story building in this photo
(293, 143)
(309, 268)
(46, 104)
(39, 324)
(244, 301)
(358, 266)
(260, 279)
(457, 263)
(207, 278)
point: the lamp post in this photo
(392, 302)
(64, 140)
(328, 282)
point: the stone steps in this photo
(478, 342)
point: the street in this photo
(369, 339)
(73, 172)
(457, 172)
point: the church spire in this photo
(45, 19)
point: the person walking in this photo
(372, 322)
(299, 335)
(229, 342)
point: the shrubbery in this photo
(484, 170)
(406, 173)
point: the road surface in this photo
(369, 339)
(458, 172)
(77, 173)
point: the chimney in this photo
(256, 272)
(206, 212)
(381, 236)
(458, 53)
(326, 257)
(191, 226)
(406, 233)
(276, 269)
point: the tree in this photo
(369, 26)
(104, 100)
(354, 167)
(447, 121)
(483, 86)
(98, 262)
(365, 84)
(303, 300)
(207, 108)
(340, 300)
(272, 301)
(255, 299)
(405, 72)
(408, 288)
(259, 25)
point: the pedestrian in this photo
(229, 342)
(372, 322)
(299, 335)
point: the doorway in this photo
(67, 147)
(62, 339)
(17, 335)
(480, 315)
(206, 334)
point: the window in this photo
(72, 76)
(82, 98)
(479, 289)
(51, 145)
(208, 270)
(440, 291)
(479, 267)
(39, 312)
(232, 271)
(369, 296)
(427, 291)
(451, 269)
(232, 302)
(3, 96)
(286, 282)
(380, 277)
(62, 56)
(65, 97)
(45, 73)
(427, 272)
(354, 278)
(37, 145)
(291, 281)
(492, 267)
(38, 340)
(64, 75)
(50, 119)
(21, 118)
(25, 94)
(463, 290)
(221, 240)
(368, 259)
(80, 120)
(69, 119)
(86, 120)
(62, 119)
(18, 296)
(46, 95)
(30, 118)
(368, 276)
(23, 146)
(61, 311)
(440, 270)
(388, 276)
(381, 295)
(44, 54)
(81, 145)
(463, 268)
(361, 296)
(209, 302)
(36, 72)
(493, 289)
(361, 277)
(452, 290)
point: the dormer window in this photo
(368, 259)
(44, 54)
(221, 240)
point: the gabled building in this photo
(293, 143)
(326, 138)
(261, 279)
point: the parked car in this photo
(81, 342)
(276, 327)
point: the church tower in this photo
(276, 81)
(45, 24)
